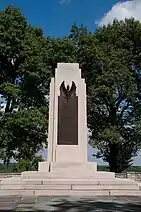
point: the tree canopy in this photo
(27, 61)
(24, 83)
(110, 60)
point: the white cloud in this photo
(65, 1)
(122, 10)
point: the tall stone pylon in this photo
(67, 133)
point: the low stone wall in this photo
(130, 175)
(8, 175)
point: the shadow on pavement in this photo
(66, 204)
(24, 209)
(89, 206)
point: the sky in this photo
(56, 17)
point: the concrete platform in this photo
(67, 175)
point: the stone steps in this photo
(122, 182)
(70, 187)
(64, 186)
(20, 192)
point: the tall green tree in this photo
(27, 61)
(24, 85)
(110, 60)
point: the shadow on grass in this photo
(91, 206)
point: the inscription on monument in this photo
(67, 115)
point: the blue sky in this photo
(56, 17)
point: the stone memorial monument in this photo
(67, 170)
(67, 133)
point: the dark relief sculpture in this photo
(67, 93)
(67, 115)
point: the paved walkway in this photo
(71, 204)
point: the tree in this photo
(22, 165)
(27, 165)
(60, 50)
(24, 85)
(27, 62)
(23, 134)
(110, 60)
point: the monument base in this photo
(67, 170)
(68, 167)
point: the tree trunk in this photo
(113, 157)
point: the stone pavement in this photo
(71, 204)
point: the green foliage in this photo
(35, 161)
(60, 50)
(22, 134)
(110, 60)
(27, 165)
(1, 168)
(24, 84)
(24, 76)
(23, 165)
(27, 62)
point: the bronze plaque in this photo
(67, 116)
